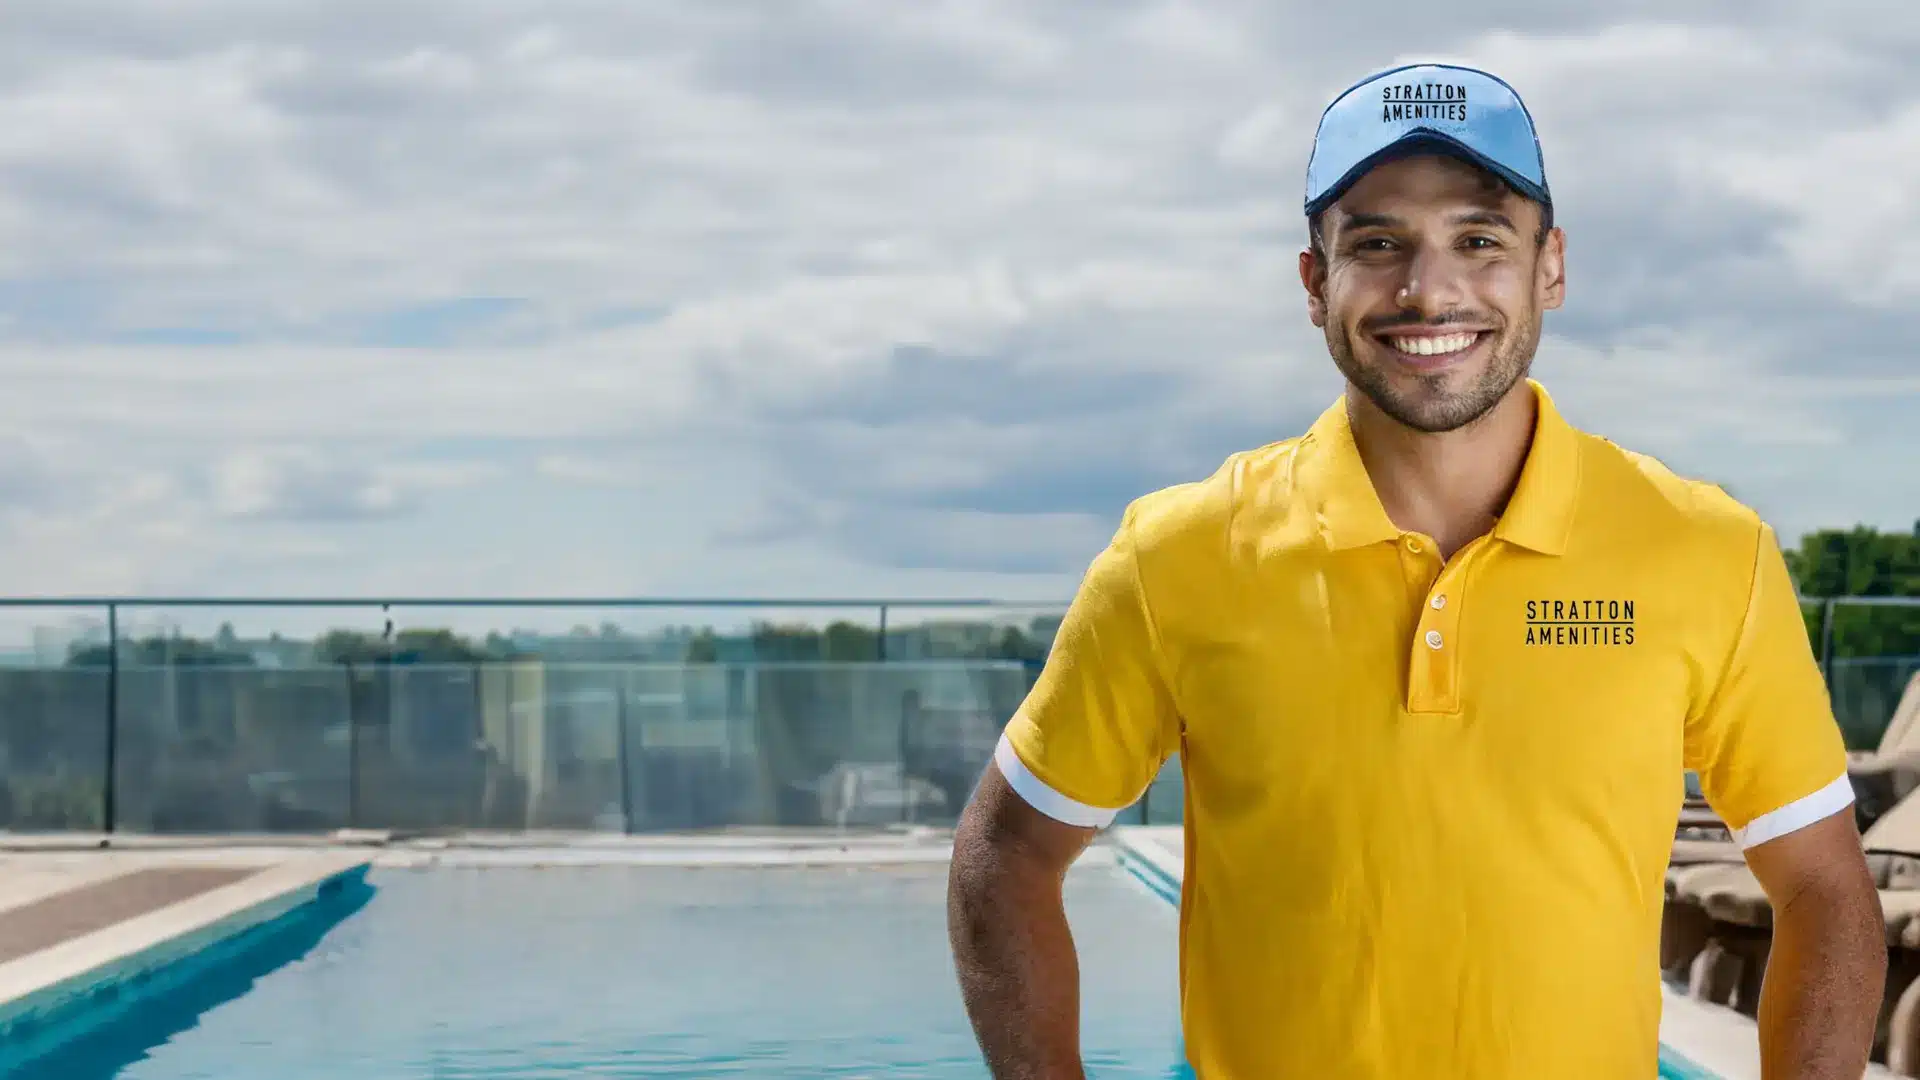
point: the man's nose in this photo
(1433, 285)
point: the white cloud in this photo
(1848, 191)
(586, 471)
(841, 297)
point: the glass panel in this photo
(501, 718)
(234, 719)
(1876, 648)
(1866, 692)
(972, 632)
(53, 710)
(765, 721)
(521, 718)
(822, 744)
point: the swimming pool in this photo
(795, 972)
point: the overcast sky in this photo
(859, 297)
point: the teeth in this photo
(1434, 346)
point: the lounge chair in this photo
(1719, 927)
(1887, 774)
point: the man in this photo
(1434, 669)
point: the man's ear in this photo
(1551, 280)
(1313, 276)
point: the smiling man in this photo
(1434, 669)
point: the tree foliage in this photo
(1861, 562)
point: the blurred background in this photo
(865, 318)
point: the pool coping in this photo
(60, 993)
(1698, 1041)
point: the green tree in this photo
(417, 646)
(841, 642)
(703, 647)
(1861, 562)
(157, 651)
(1872, 648)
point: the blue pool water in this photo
(486, 974)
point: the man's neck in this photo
(1450, 486)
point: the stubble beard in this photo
(1438, 405)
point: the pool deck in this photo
(46, 911)
(76, 923)
(1717, 1040)
(75, 915)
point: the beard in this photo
(1443, 401)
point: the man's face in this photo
(1430, 288)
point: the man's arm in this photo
(1019, 974)
(1828, 966)
(1089, 737)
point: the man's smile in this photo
(1427, 349)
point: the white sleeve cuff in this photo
(1797, 814)
(1043, 798)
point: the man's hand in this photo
(1827, 970)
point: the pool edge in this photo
(63, 993)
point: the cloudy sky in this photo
(831, 297)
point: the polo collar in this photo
(1349, 513)
(1539, 517)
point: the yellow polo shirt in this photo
(1429, 806)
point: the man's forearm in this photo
(1019, 975)
(1826, 974)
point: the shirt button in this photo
(1413, 544)
(1439, 601)
(1433, 639)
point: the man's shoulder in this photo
(1204, 511)
(1646, 494)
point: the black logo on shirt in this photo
(1579, 622)
(1423, 101)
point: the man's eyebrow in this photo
(1486, 217)
(1372, 221)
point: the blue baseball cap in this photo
(1425, 108)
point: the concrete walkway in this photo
(85, 936)
(92, 906)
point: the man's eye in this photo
(1482, 242)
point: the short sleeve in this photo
(1768, 751)
(1100, 721)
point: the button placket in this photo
(1433, 684)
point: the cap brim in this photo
(1426, 141)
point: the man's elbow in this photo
(1839, 907)
(1818, 880)
(1001, 838)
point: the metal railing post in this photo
(482, 749)
(109, 811)
(353, 747)
(881, 646)
(620, 749)
(1826, 643)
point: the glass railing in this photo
(1866, 692)
(202, 715)
(519, 745)
(251, 716)
(1869, 649)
